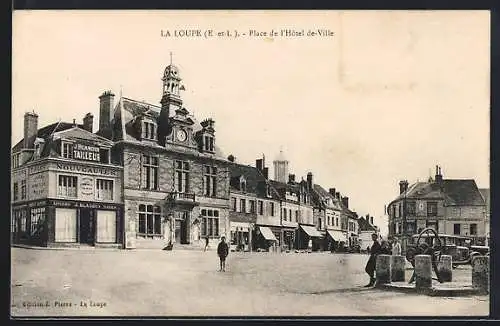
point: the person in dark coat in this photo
(375, 250)
(206, 243)
(222, 251)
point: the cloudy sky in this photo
(387, 97)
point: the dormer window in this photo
(66, 150)
(149, 131)
(243, 185)
(38, 147)
(208, 143)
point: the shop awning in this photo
(336, 235)
(311, 231)
(267, 233)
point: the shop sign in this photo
(74, 204)
(40, 203)
(86, 169)
(87, 186)
(86, 152)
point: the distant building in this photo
(280, 168)
(449, 206)
(366, 229)
(66, 187)
(327, 214)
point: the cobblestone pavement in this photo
(187, 283)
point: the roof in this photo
(255, 181)
(45, 132)
(461, 192)
(282, 187)
(320, 195)
(364, 225)
(127, 110)
(485, 192)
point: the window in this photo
(16, 191)
(252, 206)
(21, 219)
(284, 214)
(290, 215)
(243, 185)
(23, 189)
(149, 178)
(456, 229)
(260, 207)
(67, 150)
(243, 208)
(400, 211)
(337, 221)
(210, 181)
(104, 189)
(297, 216)
(328, 220)
(473, 229)
(37, 218)
(104, 155)
(271, 208)
(431, 209)
(149, 220)
(393, 210)
(411, 208)
(209, 143)
(233, 204)
(15, 161)
(182, 176)
(149, 130)
(319, 224)
(65, 225)
(67, 186)
(210, 223)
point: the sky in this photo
(390, 95)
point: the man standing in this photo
(370, 265)
(206, 243)
(396, 248)
(222, 251)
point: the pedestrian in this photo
(396, 248)
(206, 243)
(222, 252)
(384, 248)
(371, 264)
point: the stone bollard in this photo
(423, 272)
(383, 269)
(481, 273)
(444, 268)
(398, 268)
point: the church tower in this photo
(280, 168)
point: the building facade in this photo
(176, 180)
(66, 189)
(449, 206)
(327, 215)
(366, 229)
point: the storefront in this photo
(267, 238)
(241, 236)
(308, 237)
(335, 239)
(289, 239)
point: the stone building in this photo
(327, 216)
(66, 189)
(450, 206)
(254, 212)
(176, 179)
(365, 230)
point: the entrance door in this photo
(184, 231)
(177, 231)
(86, 226)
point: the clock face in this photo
(181, 135)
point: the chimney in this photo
(345, 201)
(331, 191)
(371, 220)
(231, 158)
(266, 173)
(439, 176)
(88, 122)
(291, 178)
(403, 186)
(30, 127)
(337, 195)
(106, 107)
(309, 180)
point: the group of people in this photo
(383, 248)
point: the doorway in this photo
(87, 226)
(181, 230)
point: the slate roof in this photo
(45, 132)
(485, 192)
(460, 192)
(320, 195)
(364, 225)
(256, 182)
(127, 110)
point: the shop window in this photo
(149, 220)
(209, 223)
(104, 189)
(456, 229)
(106, 226)
(210, 181)
(37, 218)
(473, 229)
(67, 186)
(65, 225)
(149, 178)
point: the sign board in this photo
(86, 169)
(38, 186)
(87, 186)
(86, 152)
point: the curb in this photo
(467, 290)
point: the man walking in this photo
(222, 251)
(370, 265)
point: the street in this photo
(107, 282)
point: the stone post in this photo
(423, 272)
(398, 268)
(481, 273)
(383, 269)
(444, 268)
